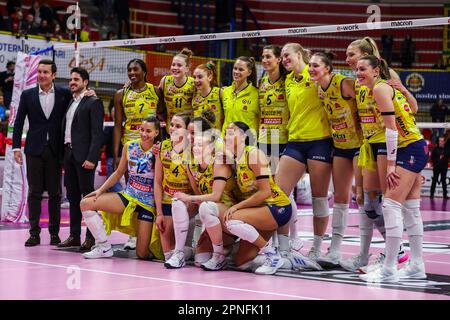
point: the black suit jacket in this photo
(40, 126)
(87, 130)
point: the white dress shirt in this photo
(69, 117)
(47, 100)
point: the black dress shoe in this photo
(446, 197)
(33, 241)
(70, 242)
(87, 245)
(54, 240)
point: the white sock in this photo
(392, 211)
(293, 220)
(317, 244)
(218, 248)
(339, 223)
(180, 218)
(283, 240)
(366, 233)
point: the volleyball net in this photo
(107, 61)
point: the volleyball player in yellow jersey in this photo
(373, 215)
(178, 88)
(337, 94)
(407, 155)
(213, 182)
(273, 132)
(171, 177)
(207, 95)
(132, 104)
(309, 142)
(240, 100)
(272, 139)
(263, 206)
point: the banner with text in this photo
(15, 186)
(103, 64)
(427, 85)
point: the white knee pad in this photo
(320, 207)
(412, 217)
(242, 230)
(179, 212)
(209, 214)
(393, 222)
(339, 221)
(373, 203)
(95, 224)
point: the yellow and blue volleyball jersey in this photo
(177, 99)
(212, 102)
(175, 177)
(243, 107)
(205, 180)
(342, 114)
(274, 112)
(246, 182)
(136, 107)
(141, 174)
(308, 120)
(372, 120)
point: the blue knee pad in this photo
(373, 204)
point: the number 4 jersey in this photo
(175, 178)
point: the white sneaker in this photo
(103, 250)
(176, 260)
(252, 265)
(286, 257)
(383, 274)
(330, 259)
(216, 263)
(354, 263)
(272, 263)
(378, 263)
(296, 244)
(313, 254)
(131, 244)
(412, 270)
(301, 262)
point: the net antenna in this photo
(74, 24)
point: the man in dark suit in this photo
(45, 107)
(83, 137)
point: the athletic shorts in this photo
(272, 149)
(281, 214)
(143, 214)
(346, 153)
(167, 209)
(413, 157)
(319, 150)
(378, 149)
